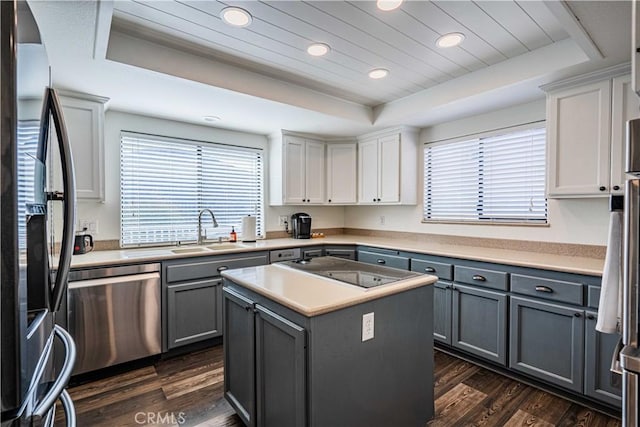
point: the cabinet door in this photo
(442, 312)
(578, 128)
(368, 171)
(239, 355)
(314, 172)
(85, 126)
(280, 371)
(625, 106)
(547, 342)
(479, 322)
(341, 173)
(194, 312)
(389, 164)
(599, 382)
(294, 166)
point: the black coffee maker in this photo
(301, 225)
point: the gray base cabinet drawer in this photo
(556, 290)
(479, 322)
(547, 342)
(312, 253)
(440, 269)
(194, 312)
(593, 296)
(482, 277)
(344, 252)
(599, 382)
(394, 261)
(201, 268)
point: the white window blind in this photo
(165, 182)
(493, 179)
(28, 133)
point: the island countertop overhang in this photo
(312, 295)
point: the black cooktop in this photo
(352, 272)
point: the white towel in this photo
(610, 307)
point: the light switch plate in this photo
(367, 326)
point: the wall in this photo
(582, 221)
(108, 213)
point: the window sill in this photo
(493, 223)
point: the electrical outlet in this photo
(382, 219)
(282, 219)
(90, 226)
(367, 326)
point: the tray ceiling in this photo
(361, 38)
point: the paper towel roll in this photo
(249, 228)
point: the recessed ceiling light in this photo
(318, 49)
(378, 73)
(388, 5)
(236, 16)
(450, 40)
(211, 118)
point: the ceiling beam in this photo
(152, 55)
(572, 26)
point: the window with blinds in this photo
(166, 182)
(497, 179)
(28, 133)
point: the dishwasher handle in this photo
(113, 280)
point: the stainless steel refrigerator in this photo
(629, 354)
(37, 355)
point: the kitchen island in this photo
(301, 349)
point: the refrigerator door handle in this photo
(631, 261)
(69, 409)
(57, 389)
(69, 202)
(615, 359)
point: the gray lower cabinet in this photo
(442, 312)
(479, 322)
(192, 312)
(547, 342)
(192, 296)
(265, 364)
(239, 355)
(599, 382)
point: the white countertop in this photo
(569, 264)
(312, 295)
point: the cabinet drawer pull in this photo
(381, 261)
(429, 270)
(591, 317)
(616, 187)
(577, 314)
(479, 278)
(602, 188)
(222, 268)
(545, 289)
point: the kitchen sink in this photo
(188, 250)
(223, 246)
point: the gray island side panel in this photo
(385, 381)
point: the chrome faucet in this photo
(201, 237)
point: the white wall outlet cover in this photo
(367, 326)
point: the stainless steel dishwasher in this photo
(114, 314)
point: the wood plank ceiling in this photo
(361, 38)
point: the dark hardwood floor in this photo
(188, 390)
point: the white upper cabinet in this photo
(625, 106)
(314, 171)
(84, 119)
(341, 173)
(387, 168)
(586, 137)
(297, 171)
